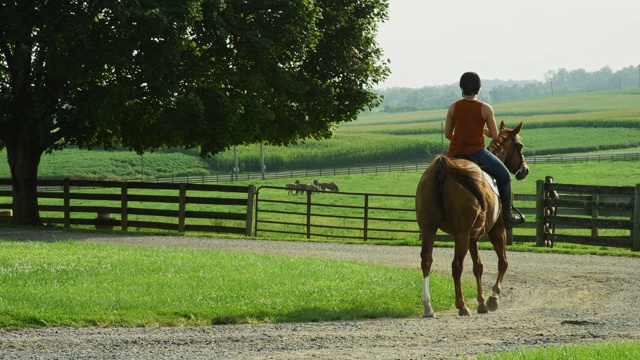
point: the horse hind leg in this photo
(426, 255)
(461, 249)
(478, 269)
(499, 242)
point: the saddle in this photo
(489, 178)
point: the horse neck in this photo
(497, 143)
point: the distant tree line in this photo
(560, 81)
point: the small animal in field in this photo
(332, 186)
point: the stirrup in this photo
(520, 216)
(512, 220)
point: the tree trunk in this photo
(23, 161)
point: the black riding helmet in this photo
(470, 83)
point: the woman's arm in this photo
(492, 129)
(448, 125)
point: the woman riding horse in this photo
(455, 196)
(465, 127)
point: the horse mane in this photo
(464, 173)
(497, 142)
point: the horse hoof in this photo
(430, 314)
(482, 309)
(493, 302)
(464, 311)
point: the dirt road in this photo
(547, 299)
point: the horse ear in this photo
(517, 129)
(502, 125)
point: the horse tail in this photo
(464, 173)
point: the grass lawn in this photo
(71, 284)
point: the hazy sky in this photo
(432, 42)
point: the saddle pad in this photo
(492, 182)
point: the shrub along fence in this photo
(593, 215)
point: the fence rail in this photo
(364, 216)
(576, 214)
(176, 207)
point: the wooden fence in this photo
(605, 212)
(177, 207)
(591, 215)
(350, 215)
(326, 214)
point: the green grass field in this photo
(601, 351)
(71, 284)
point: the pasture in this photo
(47, 284)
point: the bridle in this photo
(499, 141)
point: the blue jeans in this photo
(494, 167)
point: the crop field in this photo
(574, 123)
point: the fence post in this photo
(594, 213)
(366, 217)
(540, 213)
(635, 234)
(182, 207)
(251, 191)
(67, 203)
(309, 192)
(124, 206)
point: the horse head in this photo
(508, 148)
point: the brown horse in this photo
(300, 188)
(323, 185)
(454, 196)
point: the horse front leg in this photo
(499, 241)
(478, 269)
(426, 256)
(461, 248)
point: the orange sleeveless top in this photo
(468, 127)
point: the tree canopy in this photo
(202, 74)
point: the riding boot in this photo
(511, 220)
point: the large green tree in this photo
(205, 74)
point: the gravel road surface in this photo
(548, 299)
